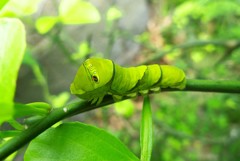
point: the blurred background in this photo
(200, 36)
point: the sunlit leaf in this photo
(44, 24)
(12, 46)
(77, 141)
(83, 51)
(20, 8)
(113, 13)
(6, 111)
(78, 12)
(3, 3)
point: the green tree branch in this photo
(59, 114)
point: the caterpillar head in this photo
(91, 76)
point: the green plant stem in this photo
(224, 86)
(82, 106)
(146, 131)
(229, 44)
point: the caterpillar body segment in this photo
(97, 77)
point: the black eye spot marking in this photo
(95, 79)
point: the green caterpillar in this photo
(98, 77)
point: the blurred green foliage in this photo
(125, 108)
(199, 36)
(15, 8)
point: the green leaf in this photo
(44, 24)
(19, 8)
(6, 111)
(78, 12)
(60, 99)
(215, 10)
(12, 46)
(3, 3)
(83, 50)
(77, 141)
(113, 13)
(36, 111)
(35, 108)
(146, 131)
(10, 133)
(16, 125)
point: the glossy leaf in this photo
(6, 111)
(77, 141)
(12, 46)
